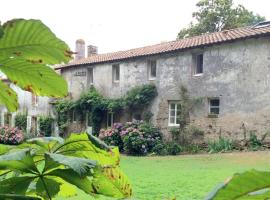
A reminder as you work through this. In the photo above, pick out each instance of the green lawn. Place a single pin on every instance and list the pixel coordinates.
(188, 177)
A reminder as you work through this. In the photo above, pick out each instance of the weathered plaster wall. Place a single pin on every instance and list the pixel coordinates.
(237, 73)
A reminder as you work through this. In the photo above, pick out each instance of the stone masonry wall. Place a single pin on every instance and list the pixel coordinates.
(238, 73)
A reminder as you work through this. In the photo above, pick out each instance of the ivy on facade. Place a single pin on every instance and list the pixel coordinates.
(96, 106)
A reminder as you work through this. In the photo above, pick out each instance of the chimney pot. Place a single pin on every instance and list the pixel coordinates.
(92, 50)
(80, 49)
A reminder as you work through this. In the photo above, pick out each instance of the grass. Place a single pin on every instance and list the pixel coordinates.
(188, 177)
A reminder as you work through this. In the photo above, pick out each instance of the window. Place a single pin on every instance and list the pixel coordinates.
(174, 113)
(116, 73)
(8, 119)
(214, 106)
(90, 76)
(152, 70)
(110, 120)
(198, 64)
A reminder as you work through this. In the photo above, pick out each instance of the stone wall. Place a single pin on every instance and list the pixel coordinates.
(237, 73)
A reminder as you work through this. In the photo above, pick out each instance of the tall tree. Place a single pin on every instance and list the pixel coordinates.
(217, 15)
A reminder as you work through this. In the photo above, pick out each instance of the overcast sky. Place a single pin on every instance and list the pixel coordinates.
(114, 25)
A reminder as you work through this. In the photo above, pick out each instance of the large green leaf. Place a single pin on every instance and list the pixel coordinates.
(81, 166)
(8, 97)
(32, 40)
(79, 145)
(20, 161)
(16, 185)
(26, 49)
(246, 186)
(112, 182)
(17, 197)
(72, 177)
(47, 187)
(34, 77)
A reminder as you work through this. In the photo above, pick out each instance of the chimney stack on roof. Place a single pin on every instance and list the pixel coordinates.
(92, 50)
(80, 49)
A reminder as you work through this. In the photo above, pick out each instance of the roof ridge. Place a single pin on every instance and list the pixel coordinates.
(223, 36)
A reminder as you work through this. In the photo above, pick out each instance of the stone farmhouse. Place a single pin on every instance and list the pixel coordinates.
(228, 70)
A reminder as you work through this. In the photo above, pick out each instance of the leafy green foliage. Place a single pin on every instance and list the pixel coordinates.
(217, 15)
(46, 165)
(97, 106)
(254, 142)
(136, 138)
(221, 145)
(139, 97)
(160, 149)
(173, 148)
(246, 186)
(27, 47)
(45, 125)
(21, 121)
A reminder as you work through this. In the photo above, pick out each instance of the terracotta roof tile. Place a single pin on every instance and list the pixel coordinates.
(193, 42)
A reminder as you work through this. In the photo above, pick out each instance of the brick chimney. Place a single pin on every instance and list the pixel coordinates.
(80, 49)
(92, 50)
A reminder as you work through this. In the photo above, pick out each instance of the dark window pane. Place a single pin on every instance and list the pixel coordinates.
(153, 69)
(214, 111)
(214, 102)
(199, 64)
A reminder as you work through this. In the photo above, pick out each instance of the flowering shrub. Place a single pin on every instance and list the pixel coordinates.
(113, 136)
(10, 135)
(137, 137)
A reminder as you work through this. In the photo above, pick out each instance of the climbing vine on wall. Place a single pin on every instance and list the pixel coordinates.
(97, 106)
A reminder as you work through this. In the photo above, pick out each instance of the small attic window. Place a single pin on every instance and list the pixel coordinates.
(262, 24)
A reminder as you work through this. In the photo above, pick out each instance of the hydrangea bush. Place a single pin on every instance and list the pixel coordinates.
(10, 135)
(136, 138)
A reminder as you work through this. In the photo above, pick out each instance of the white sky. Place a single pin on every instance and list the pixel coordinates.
(114, 25)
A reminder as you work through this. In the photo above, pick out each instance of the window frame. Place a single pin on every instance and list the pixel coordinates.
(152, 63)
(115, 69)
(90, 76)
(213, 107)
(110, 119)
(198, 58)
(176, 110)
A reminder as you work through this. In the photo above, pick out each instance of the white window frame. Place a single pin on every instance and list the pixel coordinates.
(195, 64)
(152, 63)
(177, 103)
(210, 106)
(114, 73)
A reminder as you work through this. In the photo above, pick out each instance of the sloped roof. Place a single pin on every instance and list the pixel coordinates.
(178, 45)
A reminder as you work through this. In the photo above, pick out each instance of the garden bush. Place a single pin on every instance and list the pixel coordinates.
(173, 148)
(254, 143)
(113, 136)
(21, 121)
(135, 143)
(10, 135)
(221, 145)
(45, 125)
(135, 138)
(160, 149)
